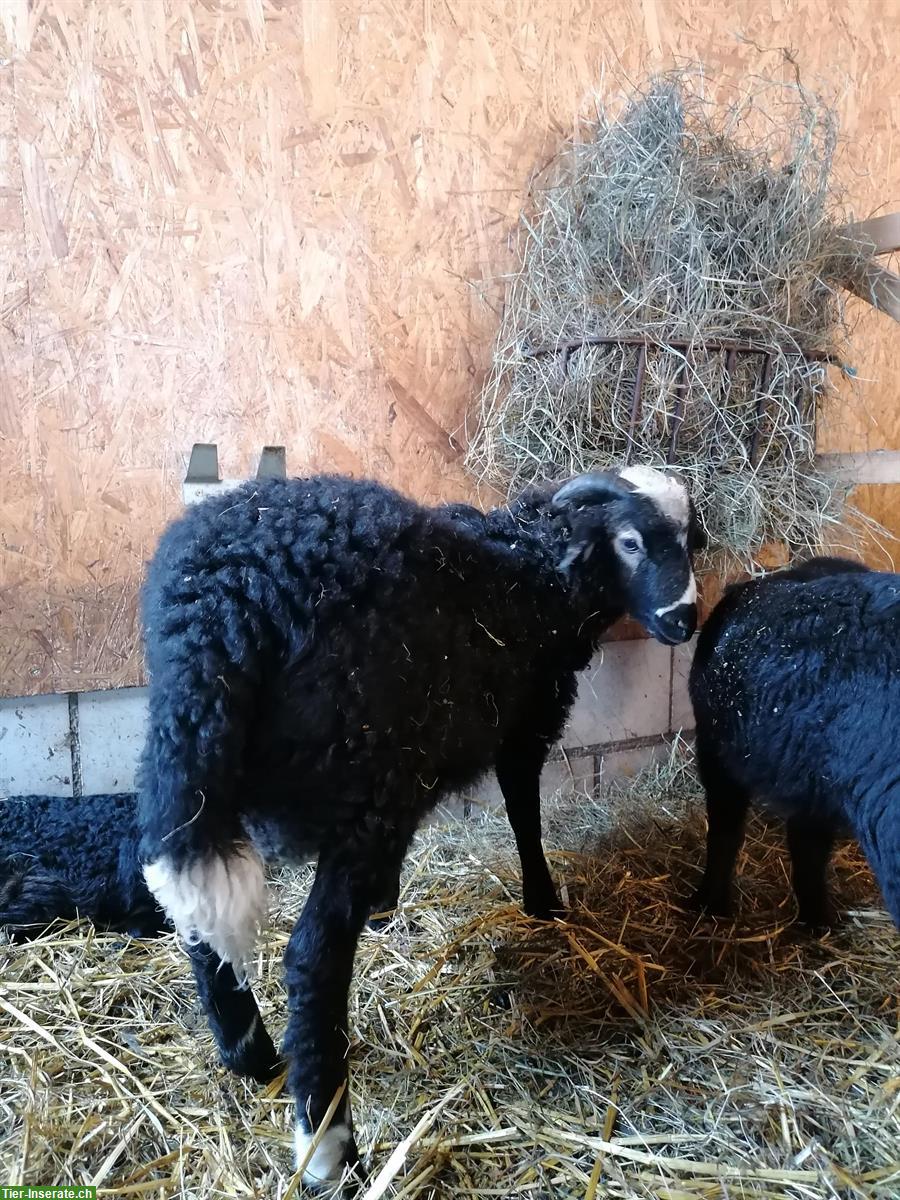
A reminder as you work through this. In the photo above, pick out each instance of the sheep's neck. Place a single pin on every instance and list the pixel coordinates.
(573, 609)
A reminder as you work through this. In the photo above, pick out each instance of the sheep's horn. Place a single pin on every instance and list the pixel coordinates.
(596, 487)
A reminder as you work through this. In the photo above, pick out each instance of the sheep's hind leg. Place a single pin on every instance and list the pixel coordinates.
(318, 968)
(726, 812)
(243, 1042)
(879, 836)
(519, 765)
(810, 843)
(382, 912)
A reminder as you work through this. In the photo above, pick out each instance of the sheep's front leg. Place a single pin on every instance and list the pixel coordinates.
(519, 765)
(726, 812)
(318, 969)
(243, 1042)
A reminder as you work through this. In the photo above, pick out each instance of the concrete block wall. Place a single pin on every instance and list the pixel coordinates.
(629, 699)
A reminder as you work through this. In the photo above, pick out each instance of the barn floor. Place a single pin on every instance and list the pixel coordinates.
(632, 1052)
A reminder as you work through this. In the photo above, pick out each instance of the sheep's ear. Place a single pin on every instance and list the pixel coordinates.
(697, 539)
(596, 487)
(578, 497)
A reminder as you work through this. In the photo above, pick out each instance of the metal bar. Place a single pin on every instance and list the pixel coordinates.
(566, 348)
(760, 407)
(636, 401)
(678, 414)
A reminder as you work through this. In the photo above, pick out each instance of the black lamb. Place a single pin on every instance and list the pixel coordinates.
(796, 692)
(64, 858)
(327, 659)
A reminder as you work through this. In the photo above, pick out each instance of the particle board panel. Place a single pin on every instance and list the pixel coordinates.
(276, 222)
(881, 502)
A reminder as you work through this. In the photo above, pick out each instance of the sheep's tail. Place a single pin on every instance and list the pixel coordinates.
(198, 861)
(217, 898)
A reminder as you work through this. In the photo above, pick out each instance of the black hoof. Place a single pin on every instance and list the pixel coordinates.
(258, 1059)
(710, 903)
(545, 912)
(819, 919)
(543, 904)
(541, 912)
(380, 921)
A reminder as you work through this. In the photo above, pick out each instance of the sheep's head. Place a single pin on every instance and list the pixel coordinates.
(641, 524)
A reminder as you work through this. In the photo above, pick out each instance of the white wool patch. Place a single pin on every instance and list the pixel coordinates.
(220, 901)
(326, 1163)
(665, 491)
(688, 596)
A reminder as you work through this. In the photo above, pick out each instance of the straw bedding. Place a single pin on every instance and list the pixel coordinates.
(631, 1052)
(672, 231)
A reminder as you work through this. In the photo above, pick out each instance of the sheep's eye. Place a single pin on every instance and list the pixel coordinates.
(630, 545)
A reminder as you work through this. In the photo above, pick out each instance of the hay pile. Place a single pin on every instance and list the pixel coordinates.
(631, 1052)
(655, 252)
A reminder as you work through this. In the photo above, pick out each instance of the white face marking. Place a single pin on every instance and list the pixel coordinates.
(688, 596)
(220, 901)
(324, 1164)
(667, 493)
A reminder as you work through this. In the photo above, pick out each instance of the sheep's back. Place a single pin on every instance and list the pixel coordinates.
(799, 684)
(360, 635)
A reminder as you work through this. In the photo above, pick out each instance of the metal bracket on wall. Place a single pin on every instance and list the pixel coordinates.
(272, 463)
(202, 478)
(204, 464)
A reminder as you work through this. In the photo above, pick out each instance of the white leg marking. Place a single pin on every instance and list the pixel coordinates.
(220, 901)
(247, 1037)
(326, 1163)
(688, 596)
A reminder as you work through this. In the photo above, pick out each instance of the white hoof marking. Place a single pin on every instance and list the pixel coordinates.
(326, 1163)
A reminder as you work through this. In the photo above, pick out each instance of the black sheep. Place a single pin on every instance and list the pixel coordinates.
(327, 659)
(796, 692)
(63, 858)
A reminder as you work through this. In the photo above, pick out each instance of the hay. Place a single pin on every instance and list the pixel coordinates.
(655, 252)
(631, 1052)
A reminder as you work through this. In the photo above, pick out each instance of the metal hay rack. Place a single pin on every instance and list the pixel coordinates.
(730, 353)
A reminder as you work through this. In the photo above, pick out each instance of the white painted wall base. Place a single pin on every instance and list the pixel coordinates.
(35, 749)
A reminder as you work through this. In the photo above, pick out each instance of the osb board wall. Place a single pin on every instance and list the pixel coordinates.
(267, 221)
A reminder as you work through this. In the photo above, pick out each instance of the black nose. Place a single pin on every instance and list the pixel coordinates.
(676, 625)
